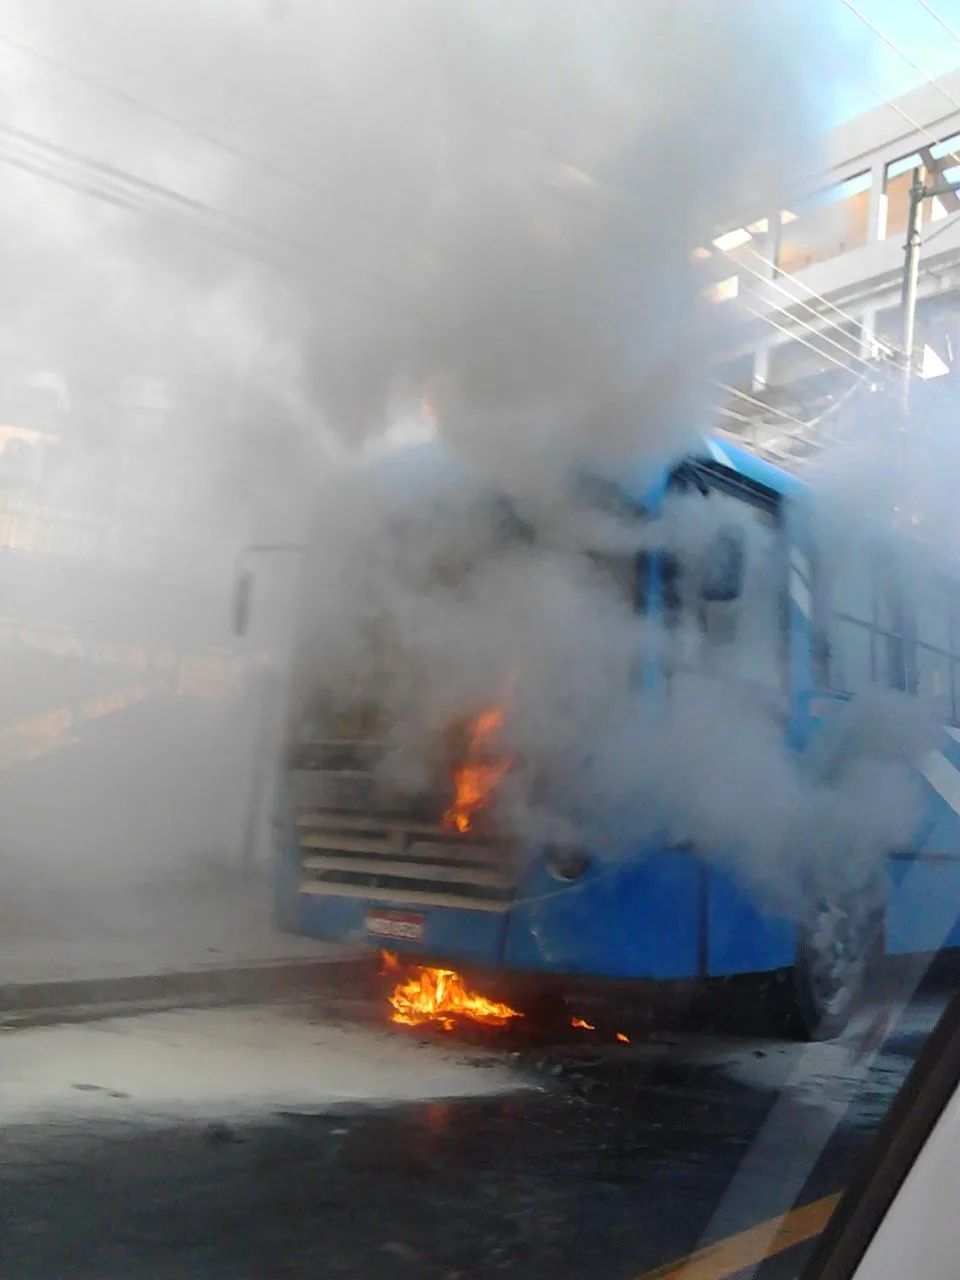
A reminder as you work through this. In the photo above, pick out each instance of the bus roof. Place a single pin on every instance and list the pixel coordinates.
(427, 465)
(754, 468)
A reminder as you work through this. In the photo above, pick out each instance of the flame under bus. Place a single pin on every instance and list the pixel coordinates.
(437, 882)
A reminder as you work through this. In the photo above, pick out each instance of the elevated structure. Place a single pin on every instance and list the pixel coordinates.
(818, 284)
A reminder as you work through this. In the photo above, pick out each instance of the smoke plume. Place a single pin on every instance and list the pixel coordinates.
(548, 174)
(476, 222)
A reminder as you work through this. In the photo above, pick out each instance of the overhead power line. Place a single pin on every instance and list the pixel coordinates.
(753, 426)
(769, 444)
(116, 197)
(947, 225)
(905, 115)
(776, 283)
(802, 435)
(900, 52)
(805, 324)
(951, 31)
(937, 17)
(128, 191)
(119, 187)
(800, 432)
(324, 194)
(165, 117)
(782, 413)
(767, 408)
(759, 315)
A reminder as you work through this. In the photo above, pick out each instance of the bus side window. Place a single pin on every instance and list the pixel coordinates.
(670, 589)
(641, 582)
(849, 624)
(954, 593)
(888, 643)
(741, 638)
(937, 652)
(865, 625)
(628, 575)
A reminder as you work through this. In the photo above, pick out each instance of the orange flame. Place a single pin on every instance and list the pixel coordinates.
(622, 1038)
(479, 776)
(582, 1024)
(440, 996)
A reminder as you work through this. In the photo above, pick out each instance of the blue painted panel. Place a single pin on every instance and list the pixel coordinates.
(923, 911)
(753, 467)
(450, 933)
(740, 937)
(937, 830)
(286, 896)
(799, 659)
(951, 749)
(640, 919)
(432, 468)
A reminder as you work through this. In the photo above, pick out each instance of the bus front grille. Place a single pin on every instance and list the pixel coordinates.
(397, 859)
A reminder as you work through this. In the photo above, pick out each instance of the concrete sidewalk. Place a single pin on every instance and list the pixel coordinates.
(73, 944)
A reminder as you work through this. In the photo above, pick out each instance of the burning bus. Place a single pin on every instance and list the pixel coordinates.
(628, 736)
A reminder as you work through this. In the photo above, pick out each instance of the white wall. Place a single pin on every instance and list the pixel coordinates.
(865, 279)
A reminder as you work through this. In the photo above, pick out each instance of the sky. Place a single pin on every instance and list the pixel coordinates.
(908, 25)
(129, 85)
(220, 102)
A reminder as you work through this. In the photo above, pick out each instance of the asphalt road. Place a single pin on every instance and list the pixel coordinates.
(269, 1143)
(33, 683)
(260, 1144)
(157, 785)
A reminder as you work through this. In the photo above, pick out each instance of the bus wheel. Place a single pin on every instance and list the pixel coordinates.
(834, 950)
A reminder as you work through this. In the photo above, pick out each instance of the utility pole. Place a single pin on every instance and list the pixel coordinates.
(911, 277)
(911, 269)
(262, 686)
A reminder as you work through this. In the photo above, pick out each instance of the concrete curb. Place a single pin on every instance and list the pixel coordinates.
(349, 978)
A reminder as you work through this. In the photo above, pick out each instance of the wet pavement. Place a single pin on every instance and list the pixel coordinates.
(293, 1141)
(260, 1144)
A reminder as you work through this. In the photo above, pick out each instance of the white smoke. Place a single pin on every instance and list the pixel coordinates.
(493, 204)
(562, 163)
(449, 616)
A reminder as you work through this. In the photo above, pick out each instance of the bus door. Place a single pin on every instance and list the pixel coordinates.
(724, 591)
(730, 603)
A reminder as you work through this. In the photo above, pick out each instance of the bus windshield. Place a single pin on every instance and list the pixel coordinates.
(740, 638)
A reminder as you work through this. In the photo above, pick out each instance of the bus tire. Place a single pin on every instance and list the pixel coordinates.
(836, 945)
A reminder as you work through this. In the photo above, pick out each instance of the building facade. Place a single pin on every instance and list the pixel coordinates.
(818, 285)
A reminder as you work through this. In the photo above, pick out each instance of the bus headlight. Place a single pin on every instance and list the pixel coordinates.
(565, 862)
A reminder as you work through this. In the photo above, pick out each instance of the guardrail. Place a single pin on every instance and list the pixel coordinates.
(207, 673)
(33, 529)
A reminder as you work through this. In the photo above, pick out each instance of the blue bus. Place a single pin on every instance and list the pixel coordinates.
(352, 868)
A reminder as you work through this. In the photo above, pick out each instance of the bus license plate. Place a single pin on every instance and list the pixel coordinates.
(403, 925)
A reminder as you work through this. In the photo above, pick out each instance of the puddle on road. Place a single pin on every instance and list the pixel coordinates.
(610, 1159)
(609, 1181)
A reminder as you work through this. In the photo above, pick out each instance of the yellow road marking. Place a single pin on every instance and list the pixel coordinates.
(748, 1248)
(52, 730)
(209, 673)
